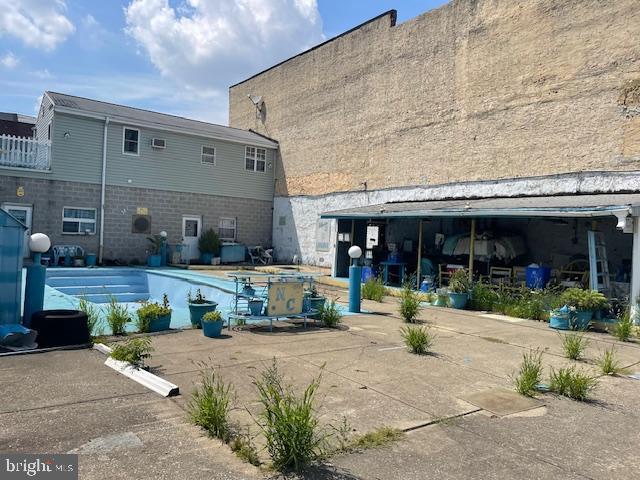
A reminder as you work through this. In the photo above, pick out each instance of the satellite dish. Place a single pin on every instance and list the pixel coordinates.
(258, 103)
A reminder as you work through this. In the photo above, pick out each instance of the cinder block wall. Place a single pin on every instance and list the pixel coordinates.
(48, 197)
(475, 90)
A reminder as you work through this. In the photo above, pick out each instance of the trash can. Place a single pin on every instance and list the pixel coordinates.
(59, 328)
(537, 277)
(91, 259)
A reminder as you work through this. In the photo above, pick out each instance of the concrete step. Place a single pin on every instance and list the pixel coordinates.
(120, 297)
(80, 290)
(70, 281)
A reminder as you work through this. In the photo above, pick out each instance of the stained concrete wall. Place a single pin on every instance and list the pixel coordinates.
(48, 197)
(295, 217)
(475, 90)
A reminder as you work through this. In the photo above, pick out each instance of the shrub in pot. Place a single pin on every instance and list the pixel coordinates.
(198, 307)
(212, 324)
(585, 302)
(78, 261)
(459, 286)
(154, 317)
(154, 259)
(209, 246)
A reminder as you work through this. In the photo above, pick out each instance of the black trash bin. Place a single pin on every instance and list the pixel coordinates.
(59, 328)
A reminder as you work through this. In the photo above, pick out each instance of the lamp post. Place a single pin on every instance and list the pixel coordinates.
(36, 274)
(163, 249)
(355, 274)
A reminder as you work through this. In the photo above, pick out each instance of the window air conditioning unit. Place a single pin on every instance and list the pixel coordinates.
(160, 143)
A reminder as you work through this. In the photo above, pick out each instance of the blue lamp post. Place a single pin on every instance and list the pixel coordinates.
(355, 274)
(163, 249)
(39, 243)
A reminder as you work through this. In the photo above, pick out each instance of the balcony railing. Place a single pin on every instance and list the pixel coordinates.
(23, 152)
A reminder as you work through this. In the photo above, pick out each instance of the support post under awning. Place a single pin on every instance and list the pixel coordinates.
(418, 269)
(472, 248)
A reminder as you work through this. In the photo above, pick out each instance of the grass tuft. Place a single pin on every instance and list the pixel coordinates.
(243, 447)
(330, 314)
(117, 316)
(288, 421)
(376, 438)
(210, 404)
(373, 289)
(530, 373)
(135, 351)
(94, 322)
(608, 363)
(624, 327)
(574, 345)
(409, 303)
(418, 338)
(572, 383)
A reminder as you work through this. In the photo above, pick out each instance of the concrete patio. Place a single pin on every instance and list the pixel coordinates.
(68, 401)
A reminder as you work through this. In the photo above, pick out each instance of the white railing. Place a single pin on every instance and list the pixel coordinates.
(23, 152)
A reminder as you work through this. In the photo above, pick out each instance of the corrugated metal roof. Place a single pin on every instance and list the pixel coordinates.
(551, 206)
(159, 120)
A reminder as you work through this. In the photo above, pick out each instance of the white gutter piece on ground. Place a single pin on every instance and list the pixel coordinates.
(149, 380)
(102, 348)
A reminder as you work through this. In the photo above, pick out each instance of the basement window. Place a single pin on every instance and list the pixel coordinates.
(130, 141)
(78, 221)
(255, 159)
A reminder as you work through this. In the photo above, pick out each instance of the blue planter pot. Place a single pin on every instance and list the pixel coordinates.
(212, 329)
(161, 323)
(206, 258)
(197, 310)
(559, 322)
(316, 303)
(255, 307)
(458, 300)
(306, 304)
(580, 320)
(440, 301)
(68, 261)
(154, 260)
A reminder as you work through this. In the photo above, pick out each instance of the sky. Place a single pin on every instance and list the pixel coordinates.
(172, 56)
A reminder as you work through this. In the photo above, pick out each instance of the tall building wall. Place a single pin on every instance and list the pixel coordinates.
(474, 90)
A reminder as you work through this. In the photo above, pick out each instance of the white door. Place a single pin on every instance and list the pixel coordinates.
(191, 229)
(24, 214)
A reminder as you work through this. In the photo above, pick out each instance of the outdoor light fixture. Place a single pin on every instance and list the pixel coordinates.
(66, 135)
(355, 278)
(355, 252)
(163, 234)
(39, 243)
(625, 222)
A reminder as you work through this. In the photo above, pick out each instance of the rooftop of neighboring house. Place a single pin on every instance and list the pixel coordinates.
(147, 118)
(16, 124)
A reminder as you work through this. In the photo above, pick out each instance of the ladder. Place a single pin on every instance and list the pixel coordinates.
(598, 264)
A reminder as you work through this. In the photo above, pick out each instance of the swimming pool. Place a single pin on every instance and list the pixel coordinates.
(130, 286)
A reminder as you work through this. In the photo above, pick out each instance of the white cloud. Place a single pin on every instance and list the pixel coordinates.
(38, 23)
(9, 60)
(206, 45)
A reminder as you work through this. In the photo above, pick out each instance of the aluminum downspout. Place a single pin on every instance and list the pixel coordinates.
(102, 188)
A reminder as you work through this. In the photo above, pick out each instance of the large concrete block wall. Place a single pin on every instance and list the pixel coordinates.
(166, 209)
(475, 90)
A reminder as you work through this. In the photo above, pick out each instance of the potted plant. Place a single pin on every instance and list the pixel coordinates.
(255, 306)
(209, 246)
(560, 318)
(316, 301)
(154, 259)
(154, 317)
(198, 307)
(585, 302)
(212, 324)
(441, 298)
(78, 260)
(459, 286)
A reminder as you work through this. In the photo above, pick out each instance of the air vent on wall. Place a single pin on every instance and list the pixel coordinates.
(141, 224)
(158, 143)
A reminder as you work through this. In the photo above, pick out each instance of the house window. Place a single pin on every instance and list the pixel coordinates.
(255, 159)
(209, 155)
(130, 141)
(78, 221)
(227, 229)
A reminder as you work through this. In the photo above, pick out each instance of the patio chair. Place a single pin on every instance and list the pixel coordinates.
(255, 255)
(64, 251)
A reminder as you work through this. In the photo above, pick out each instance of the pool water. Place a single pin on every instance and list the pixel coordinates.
(131, 286)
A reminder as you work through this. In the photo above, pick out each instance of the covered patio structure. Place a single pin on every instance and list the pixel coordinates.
(588, 239)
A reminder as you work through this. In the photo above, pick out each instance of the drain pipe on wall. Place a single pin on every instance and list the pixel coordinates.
(102, 188)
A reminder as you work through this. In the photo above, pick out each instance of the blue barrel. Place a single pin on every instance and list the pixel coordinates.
(367, 273)
(538, 277)
(90, 259)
